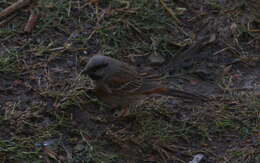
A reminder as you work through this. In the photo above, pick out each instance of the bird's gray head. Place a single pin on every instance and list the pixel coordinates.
(99, 66)
(95, 68)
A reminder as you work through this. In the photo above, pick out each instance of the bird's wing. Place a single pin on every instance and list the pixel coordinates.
(124, 81)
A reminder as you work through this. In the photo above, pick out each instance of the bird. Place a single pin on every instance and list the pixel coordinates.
(119, 84)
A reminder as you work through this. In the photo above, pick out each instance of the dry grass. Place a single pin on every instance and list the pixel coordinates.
(47, 116)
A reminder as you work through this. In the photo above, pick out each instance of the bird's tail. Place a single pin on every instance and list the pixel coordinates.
(180, 94)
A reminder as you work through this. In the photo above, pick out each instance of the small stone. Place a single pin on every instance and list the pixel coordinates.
(156, 59)
(197, 158)
(205, 74)
(222, 1)
(49, 142)
(79, 147)
(186, 64)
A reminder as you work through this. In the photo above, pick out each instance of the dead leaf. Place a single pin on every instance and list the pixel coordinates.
(227, 70)
(50, 153)
(194, 82)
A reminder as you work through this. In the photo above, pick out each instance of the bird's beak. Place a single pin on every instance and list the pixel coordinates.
(92, 74)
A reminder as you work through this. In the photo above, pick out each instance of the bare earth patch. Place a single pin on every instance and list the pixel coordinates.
(206, 47)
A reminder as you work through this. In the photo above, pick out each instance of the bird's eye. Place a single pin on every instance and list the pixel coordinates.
(94, 72)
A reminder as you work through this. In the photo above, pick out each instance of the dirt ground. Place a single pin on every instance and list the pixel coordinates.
(204, 47)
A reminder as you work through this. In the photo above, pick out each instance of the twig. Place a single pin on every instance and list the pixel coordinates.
(14, 7)
(170, 11)
(222, 50)
(5, 21)
(32, 20)
(254, 30)
(233, 50)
